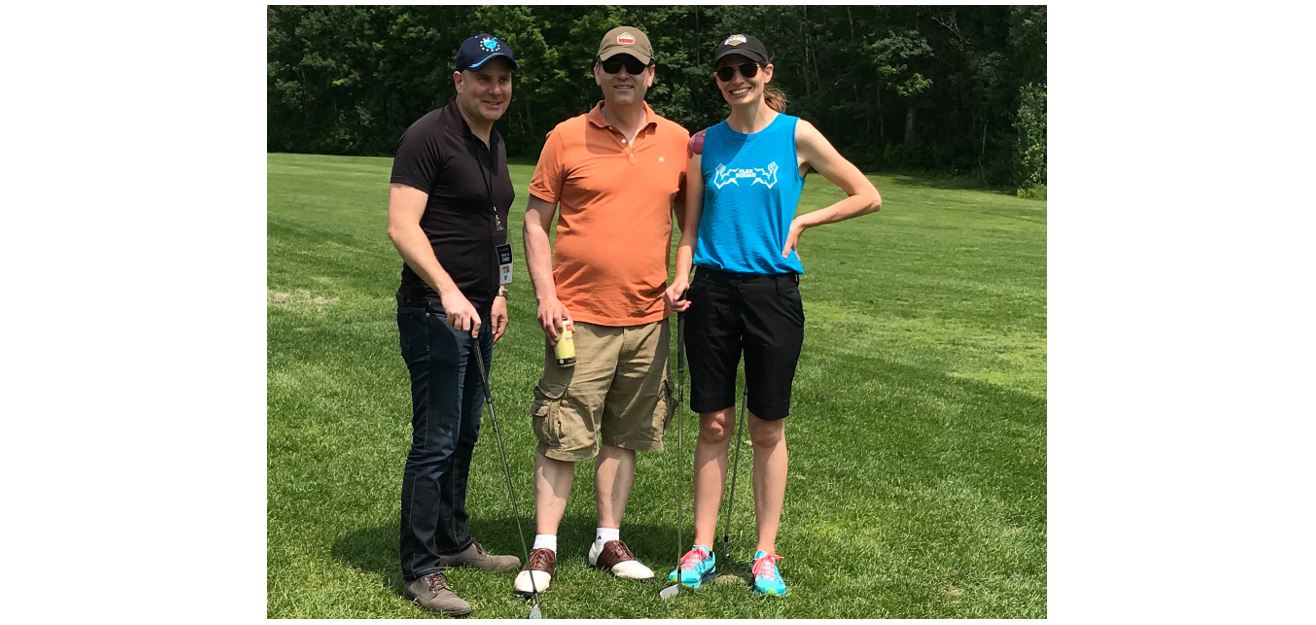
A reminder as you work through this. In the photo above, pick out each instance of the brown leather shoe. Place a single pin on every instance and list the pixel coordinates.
(541, 565)
(477, 558)
(618, 559)
(432, 593)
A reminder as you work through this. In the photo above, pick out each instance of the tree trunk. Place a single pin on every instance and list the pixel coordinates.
(699, 40)
(804, 39)
(910, 137)
(813, 52)
(881, 119)
(982, 170)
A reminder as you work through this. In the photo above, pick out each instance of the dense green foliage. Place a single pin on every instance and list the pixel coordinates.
(917, 432)
(891, 86)
(1030, 145)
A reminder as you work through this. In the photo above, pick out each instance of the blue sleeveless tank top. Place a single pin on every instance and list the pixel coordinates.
(752, 184)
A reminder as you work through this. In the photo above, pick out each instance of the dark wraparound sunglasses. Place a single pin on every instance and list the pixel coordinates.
(613, 65)
(748, 70)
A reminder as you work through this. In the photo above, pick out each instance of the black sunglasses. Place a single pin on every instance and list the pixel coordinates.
(727, 72)
(613, 65)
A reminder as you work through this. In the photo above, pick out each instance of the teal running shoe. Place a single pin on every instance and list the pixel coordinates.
(767, 579)
(697, 566)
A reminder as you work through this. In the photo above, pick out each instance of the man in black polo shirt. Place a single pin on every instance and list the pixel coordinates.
(447, 216)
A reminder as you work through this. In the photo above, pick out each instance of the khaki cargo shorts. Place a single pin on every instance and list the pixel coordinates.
(618, 393)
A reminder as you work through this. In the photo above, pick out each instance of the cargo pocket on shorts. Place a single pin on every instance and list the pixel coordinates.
(546, 412)
(665, 408)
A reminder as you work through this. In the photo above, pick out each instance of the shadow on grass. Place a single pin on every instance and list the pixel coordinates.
(374, 550)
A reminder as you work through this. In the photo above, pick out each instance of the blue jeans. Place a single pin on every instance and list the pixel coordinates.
(446, 404)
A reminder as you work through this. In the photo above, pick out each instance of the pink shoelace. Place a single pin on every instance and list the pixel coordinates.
(766, 566)
(692, 558)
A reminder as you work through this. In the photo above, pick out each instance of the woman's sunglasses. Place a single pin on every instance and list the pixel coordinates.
(748, 70)
(613, 65)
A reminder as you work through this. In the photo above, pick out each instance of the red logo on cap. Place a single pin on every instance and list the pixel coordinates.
(626, 39)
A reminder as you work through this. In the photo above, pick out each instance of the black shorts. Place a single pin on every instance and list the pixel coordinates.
(759, 314)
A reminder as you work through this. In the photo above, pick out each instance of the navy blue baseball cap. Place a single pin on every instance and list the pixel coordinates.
(480, 48)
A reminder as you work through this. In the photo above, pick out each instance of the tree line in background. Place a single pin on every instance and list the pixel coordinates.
(960, 89)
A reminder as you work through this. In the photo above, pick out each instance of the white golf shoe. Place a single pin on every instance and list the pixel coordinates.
(617, 559)
(541, 565)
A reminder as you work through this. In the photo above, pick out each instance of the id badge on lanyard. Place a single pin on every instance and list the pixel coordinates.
(504, 263)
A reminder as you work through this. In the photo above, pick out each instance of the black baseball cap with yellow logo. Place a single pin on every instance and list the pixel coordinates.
(747, 46)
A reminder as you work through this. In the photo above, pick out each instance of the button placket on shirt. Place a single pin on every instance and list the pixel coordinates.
(627, 146)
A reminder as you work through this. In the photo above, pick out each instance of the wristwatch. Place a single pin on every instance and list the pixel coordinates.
(502, 291)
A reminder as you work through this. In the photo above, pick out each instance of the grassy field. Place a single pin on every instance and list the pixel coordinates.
(917, 432)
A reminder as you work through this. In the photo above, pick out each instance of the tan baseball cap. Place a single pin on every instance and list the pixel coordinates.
(626, 40)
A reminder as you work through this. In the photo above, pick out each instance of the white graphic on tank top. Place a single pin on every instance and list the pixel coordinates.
(723, 176)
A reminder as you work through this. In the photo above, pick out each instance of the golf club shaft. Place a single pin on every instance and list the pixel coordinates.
(735, 468)
(680, 432)
(675, 588)
(502, 453)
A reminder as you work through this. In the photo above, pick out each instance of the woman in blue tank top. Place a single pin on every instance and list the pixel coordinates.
(744, 180)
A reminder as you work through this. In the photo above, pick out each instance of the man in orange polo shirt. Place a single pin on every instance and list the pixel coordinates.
(613, 176)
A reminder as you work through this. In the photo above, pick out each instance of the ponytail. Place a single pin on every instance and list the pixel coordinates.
(774, 98)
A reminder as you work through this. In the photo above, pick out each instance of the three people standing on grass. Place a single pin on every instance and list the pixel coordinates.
(614, 177)
(744, 180)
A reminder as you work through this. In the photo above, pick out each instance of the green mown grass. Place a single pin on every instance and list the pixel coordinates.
(917, 432)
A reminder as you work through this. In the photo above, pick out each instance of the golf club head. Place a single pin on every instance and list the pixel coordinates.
(670, 591)
(534, 612)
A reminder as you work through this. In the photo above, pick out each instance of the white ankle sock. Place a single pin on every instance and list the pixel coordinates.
(546, 541)
(604, 534)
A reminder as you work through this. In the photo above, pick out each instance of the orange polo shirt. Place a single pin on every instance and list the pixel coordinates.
(614, 223)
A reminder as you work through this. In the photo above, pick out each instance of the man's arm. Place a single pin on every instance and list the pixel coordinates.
(685, 248)
(539, 261)
(406, 204)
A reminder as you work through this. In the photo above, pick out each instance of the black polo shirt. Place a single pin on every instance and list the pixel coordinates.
(467, 183)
